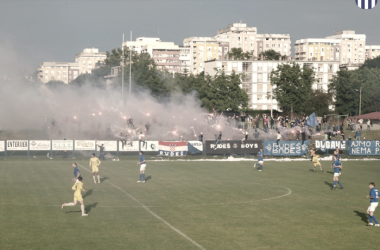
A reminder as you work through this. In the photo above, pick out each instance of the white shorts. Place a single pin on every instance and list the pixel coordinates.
(372, 206)
(336, 174)
(142, 167)
(261, 162)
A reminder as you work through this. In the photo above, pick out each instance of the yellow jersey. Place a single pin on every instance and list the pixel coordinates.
(315, 158)
(78, 187)
(94, 162)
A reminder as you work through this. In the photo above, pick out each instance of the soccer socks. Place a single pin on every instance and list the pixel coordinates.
(82, 208)
(261, 167)
(94, 178)
(370, 218)
(140, 177)
(334, 184)
(143, 176)
(98, 179)
(69, 204)
(374, 219)
(339, 184)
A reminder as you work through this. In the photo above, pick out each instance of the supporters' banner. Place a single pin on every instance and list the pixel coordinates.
(17, 145)
(84, 145)
(172, 148)
(62, 145)
(233, 147)
(39, 145)
(195, 146)
(363, 147)
(149, 146)
(323, 145)
(286, 148)
(2, 146)
(108, 145)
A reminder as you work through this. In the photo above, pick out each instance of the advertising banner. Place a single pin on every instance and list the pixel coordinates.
(233, 147)
(286, 148)
(2, 146)
(363, 148)
(62, 145)
(323, 145)
(108, 145)
(17, 145)
(84, 145)
(172, 148)
(39, 145)
(195, 147)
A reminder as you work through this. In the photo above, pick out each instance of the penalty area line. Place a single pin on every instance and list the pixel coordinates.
(152, 213)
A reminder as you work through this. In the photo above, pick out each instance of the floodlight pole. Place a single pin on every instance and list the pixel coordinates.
(122, 70)
(360, 102)
(130, 70)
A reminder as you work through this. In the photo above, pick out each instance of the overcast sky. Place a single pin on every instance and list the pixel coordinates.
(32, 31)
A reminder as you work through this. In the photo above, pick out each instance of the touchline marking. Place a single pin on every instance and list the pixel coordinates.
(152, 213)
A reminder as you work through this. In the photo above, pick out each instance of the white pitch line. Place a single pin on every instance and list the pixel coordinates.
(152, 213)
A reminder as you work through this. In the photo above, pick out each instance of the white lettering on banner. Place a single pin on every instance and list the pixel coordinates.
(2, 146)
(377, 143)
(17, 145)
(249, 145)
(39, 145)
(62, 145)
(330, 144)
(377, 150)
(169, 153)
(318, 144)
(286, 148)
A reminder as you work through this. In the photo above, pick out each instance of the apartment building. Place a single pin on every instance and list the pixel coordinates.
(58, 71)
(184, 59)
(238, 35)
(165, 54)
(257, 80)
(352, 46)
(372, 51)
(202, 49)
(88, 59)
(317, 49)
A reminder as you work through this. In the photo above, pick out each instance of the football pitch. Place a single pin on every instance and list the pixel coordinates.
(186, 205)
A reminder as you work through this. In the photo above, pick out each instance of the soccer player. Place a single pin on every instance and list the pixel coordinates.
(312, 154)
(94, 165)
(78, 187)
(337, 166)
(142, 164)
(373, 196)
(316, 162)
(260, 156)
(76, 172)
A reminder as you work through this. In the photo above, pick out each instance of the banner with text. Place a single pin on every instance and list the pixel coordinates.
(17, 145)
(2, 146)
(233, 147)
(172, 148)
(323, 145)
(286, 148)
(108, 145)
(84, 145)
(195, 147)
(128, 146)
(39, 145)
(62, 145)
(363, 148)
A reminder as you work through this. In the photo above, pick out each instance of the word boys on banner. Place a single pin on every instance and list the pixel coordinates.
(363, 148)
(286, 148)
(323, 145)
(172, 148)
(233, 147)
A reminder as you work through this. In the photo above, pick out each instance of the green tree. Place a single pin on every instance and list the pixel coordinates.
(238, 54)
(271, 55)
(371, 63)
(318, 101)
(292, 86)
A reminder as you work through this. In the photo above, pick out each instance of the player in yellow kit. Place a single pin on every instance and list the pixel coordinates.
(94, 165)
(78, 187)
(316, 162)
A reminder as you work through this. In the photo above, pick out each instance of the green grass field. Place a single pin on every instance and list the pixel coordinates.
(186, 205)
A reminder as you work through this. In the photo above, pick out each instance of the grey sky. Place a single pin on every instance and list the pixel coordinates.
(35, 31)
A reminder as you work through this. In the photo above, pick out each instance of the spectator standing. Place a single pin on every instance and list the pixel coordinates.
(358, 134)
(368, 125)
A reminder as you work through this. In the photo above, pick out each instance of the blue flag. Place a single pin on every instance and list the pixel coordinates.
(312, 120)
